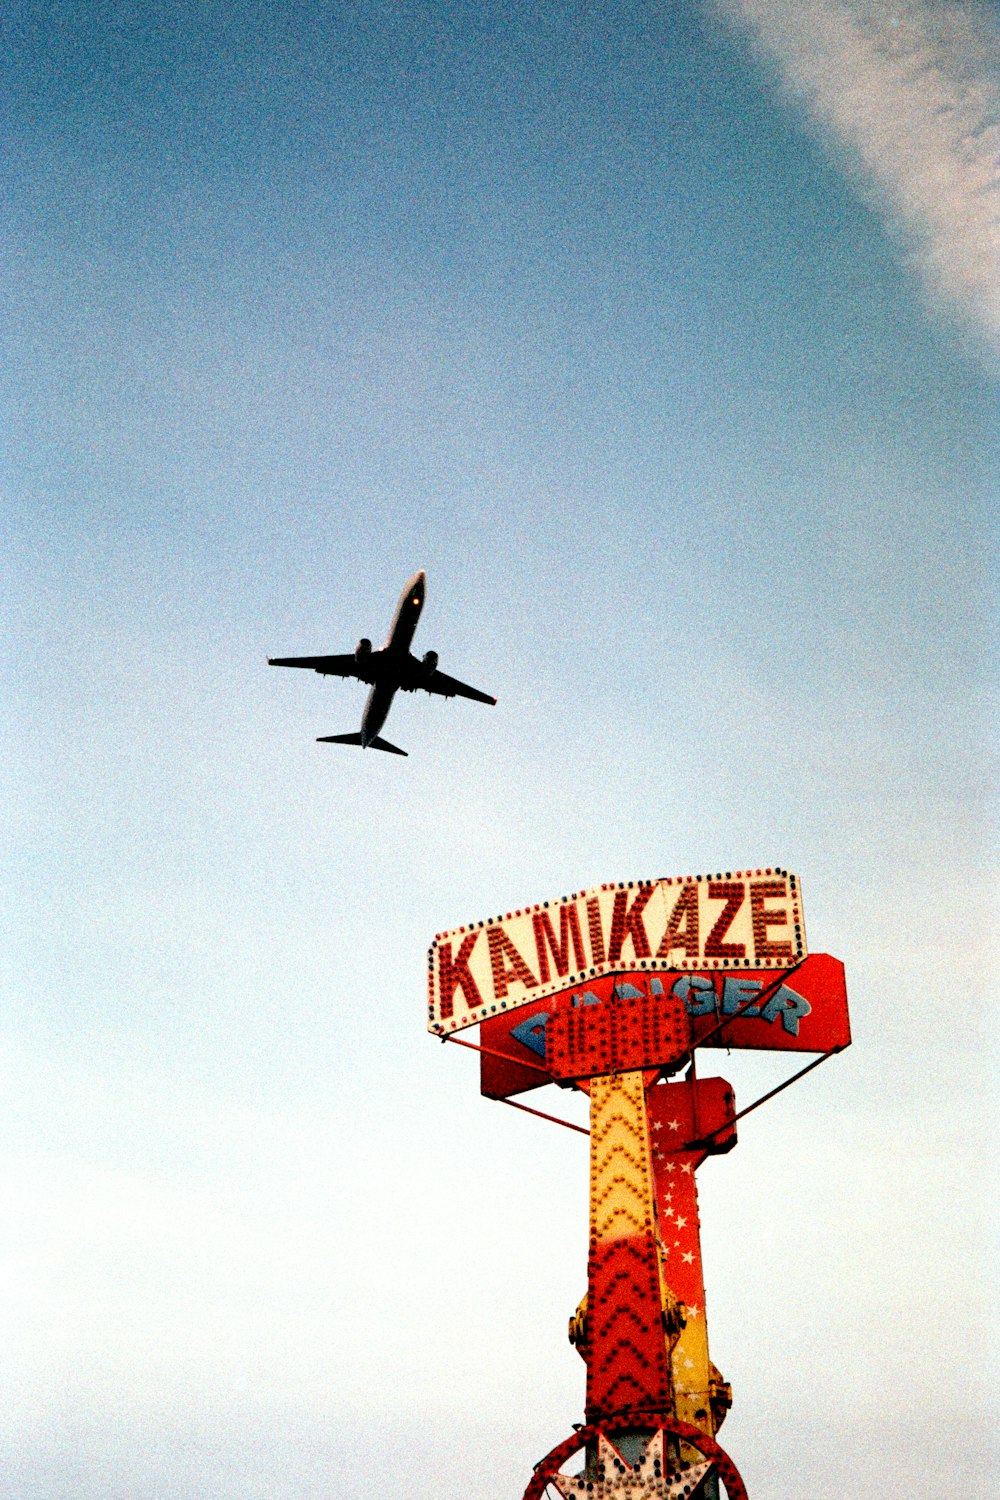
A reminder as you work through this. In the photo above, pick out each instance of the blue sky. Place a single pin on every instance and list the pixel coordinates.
(665, 338)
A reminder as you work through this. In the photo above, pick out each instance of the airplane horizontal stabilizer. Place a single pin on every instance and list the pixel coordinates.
(355, 739)
(378, 743)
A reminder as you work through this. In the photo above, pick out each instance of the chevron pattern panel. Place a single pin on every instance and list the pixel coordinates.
(627, 1363)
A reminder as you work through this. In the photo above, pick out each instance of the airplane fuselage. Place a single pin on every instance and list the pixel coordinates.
(397, 645)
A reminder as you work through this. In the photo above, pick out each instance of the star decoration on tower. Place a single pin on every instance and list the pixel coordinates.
(617, 1480)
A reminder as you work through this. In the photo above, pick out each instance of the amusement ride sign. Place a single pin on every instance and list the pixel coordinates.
(742, 919)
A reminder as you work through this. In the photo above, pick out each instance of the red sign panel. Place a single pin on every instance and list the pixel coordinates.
(787, 1010)
(627, 1032)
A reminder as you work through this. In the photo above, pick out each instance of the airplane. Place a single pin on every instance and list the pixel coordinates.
(389, 670)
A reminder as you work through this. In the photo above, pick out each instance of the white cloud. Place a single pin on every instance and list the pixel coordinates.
(912, 92)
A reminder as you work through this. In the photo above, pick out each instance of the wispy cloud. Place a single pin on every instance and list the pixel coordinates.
(912, 92)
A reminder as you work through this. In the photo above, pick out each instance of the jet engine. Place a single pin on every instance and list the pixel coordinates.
(429, 663)
(362, 649)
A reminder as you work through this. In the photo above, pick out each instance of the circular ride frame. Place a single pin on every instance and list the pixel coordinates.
(549, 1467)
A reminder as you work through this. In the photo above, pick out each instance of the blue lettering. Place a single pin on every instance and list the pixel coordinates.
(704, 1004)
(735, 994)
(531, 1033)
(790, 1006)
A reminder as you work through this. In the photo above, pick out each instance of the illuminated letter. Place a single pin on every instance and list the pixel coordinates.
(453, 974)
(596, 934)
(763, 919)
(502, 950)
(569, 926)
(684, 913)
(789, 1006)
(731, 892)
(626, 921)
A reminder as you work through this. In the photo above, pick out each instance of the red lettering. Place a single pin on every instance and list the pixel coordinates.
(595, 930)
(626, 921)
(507, 964)
(731, 892)
(453, 974)
(763, 919)
(545, 941)
(684, 916)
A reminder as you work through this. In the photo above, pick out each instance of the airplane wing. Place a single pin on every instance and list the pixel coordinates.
(450, 687)
(330, 666)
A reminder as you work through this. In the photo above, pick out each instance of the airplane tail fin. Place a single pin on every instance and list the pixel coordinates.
(355, 739)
